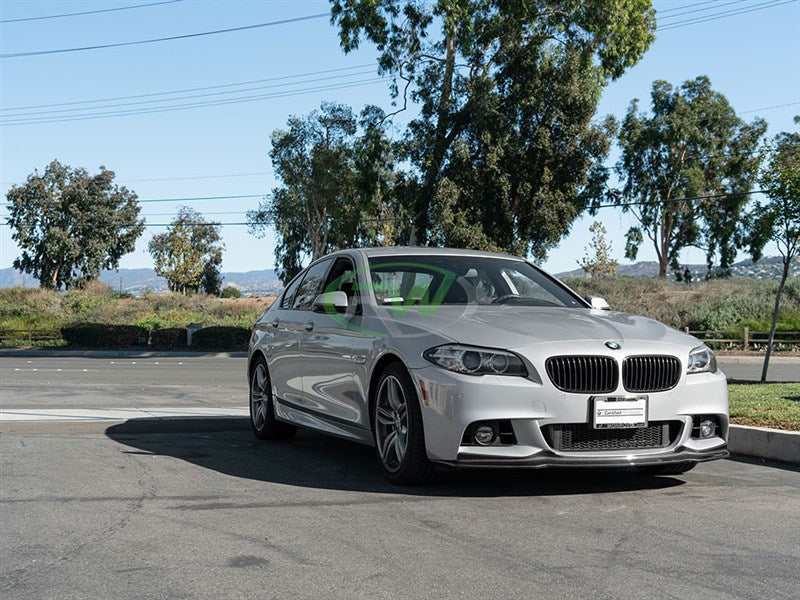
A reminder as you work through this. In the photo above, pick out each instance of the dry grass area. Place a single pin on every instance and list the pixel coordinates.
(24, 308)
(714, 305)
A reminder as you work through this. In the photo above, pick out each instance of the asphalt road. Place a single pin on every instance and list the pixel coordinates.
(197, 508)
(101, 511)
(45, 382)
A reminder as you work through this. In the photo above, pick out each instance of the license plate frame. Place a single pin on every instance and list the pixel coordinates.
(620, 412)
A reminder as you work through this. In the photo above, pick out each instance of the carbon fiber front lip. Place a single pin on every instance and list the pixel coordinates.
(548, 459)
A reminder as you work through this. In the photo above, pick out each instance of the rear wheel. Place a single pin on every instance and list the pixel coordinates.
(262, 410)
(673, 469)
(397, 428)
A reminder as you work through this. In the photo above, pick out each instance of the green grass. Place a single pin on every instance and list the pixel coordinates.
(775, 405)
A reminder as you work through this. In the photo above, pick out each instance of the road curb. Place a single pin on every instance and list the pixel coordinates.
(771, 444)
(50, 353)
(734, 359)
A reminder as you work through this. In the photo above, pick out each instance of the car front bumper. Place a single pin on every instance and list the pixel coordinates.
(451, 402)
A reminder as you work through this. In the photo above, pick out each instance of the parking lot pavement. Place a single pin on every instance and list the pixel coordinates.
(65, 382)
(164, 510)
(80, 382)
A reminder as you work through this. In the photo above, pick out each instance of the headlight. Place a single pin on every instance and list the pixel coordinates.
(702, 360)
(476, 361)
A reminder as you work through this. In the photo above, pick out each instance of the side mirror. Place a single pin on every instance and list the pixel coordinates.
(598, 303)
(337, 300)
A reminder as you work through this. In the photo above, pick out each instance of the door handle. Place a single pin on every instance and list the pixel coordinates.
(309, 325)
(275, 322)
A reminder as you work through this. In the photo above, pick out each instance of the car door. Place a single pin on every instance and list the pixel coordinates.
(283, 330)
(290, 365)
(329, 386)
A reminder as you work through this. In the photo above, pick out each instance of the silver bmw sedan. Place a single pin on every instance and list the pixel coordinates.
(474, 359)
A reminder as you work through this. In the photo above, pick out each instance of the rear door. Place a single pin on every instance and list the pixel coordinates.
(284, 340)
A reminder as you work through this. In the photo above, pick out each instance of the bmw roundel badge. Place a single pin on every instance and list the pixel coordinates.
(613, 345)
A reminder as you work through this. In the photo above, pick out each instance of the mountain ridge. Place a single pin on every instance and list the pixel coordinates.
(265, 281)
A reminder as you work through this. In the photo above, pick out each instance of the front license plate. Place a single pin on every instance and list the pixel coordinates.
(619, 412)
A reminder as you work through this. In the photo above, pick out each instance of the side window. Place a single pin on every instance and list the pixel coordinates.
(311, 286)
(288, 295)
(343, 278)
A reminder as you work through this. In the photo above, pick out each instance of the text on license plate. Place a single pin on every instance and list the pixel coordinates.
(619, 412)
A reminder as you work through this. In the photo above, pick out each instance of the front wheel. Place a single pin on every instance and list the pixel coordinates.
(262, 411)
(397, 428)
(673, 469)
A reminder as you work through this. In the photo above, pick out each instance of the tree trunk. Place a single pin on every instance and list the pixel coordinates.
(662, 267)
(771, 340)
(419, 227)
(54, 277)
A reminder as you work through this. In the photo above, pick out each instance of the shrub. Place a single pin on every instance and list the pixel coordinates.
(168, 338)
(100, 335)
(231, 292)
(221, 338)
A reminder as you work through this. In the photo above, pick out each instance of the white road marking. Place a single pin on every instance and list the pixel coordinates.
(58, 370)
(116, 414)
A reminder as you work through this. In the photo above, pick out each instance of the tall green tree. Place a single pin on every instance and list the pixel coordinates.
(189, 254)
(70, 224)
(503, 152)
(336, 185)
(686, 171)
(778, 219)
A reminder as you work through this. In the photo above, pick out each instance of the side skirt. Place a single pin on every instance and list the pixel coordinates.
(310, 419)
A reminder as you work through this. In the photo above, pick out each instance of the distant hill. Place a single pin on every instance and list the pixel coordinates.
(266, 281)
(767, 268)
(136, 280)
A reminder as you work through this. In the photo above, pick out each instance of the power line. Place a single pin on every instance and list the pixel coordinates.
(166, 39)
(744, 112)
(668, 10)
(140, 111)
(88, 12)
(189, 97)
(724, 14)
(203, 198)
(190, 199)
(187, 90)
(696, 10)
(616, 205)
(676, 200)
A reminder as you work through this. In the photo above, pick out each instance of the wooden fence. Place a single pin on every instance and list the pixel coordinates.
(29, 335)
(746, 339)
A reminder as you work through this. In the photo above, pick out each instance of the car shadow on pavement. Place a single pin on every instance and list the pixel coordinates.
(317, 461)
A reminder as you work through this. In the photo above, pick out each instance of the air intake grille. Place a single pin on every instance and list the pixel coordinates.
(650, 373)
(583, 374)
(580, 437)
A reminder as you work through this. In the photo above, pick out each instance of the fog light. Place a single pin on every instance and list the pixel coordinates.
(707, 427)
(484, 435)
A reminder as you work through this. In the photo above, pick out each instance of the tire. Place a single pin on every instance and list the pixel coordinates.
(673, 469)
(262, 410)
(397, 429)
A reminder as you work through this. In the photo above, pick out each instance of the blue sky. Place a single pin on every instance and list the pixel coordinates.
(753, 58)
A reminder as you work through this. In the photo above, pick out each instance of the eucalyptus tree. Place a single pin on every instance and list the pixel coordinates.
(189, 254)
(336, 185)
(503, 152)
(778, 218)
(69, 224)
(687, 170)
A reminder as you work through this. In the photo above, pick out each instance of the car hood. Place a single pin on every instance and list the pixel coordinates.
(507, 326)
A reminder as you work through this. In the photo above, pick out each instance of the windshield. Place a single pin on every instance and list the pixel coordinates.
(442, 279)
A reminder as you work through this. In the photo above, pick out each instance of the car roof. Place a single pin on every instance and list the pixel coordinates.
(425, 251)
